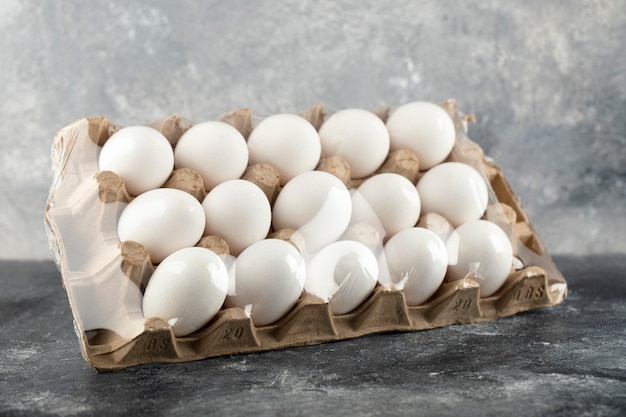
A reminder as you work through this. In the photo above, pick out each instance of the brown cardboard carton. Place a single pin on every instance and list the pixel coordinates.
(104, 278)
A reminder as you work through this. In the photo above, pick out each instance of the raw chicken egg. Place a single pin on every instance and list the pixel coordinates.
(424, 128)
(268, 280)
(417, 261)
(454, 190)
(140, 155)
(187, 289)
(288, 142)
(394, 199)
(237, 211)
(316, 204)
(163, 221)
(359, 137)
(215, 150)
(482, 251)
(343, 274)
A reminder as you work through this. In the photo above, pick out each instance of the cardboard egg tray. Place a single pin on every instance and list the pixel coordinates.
(104, 278)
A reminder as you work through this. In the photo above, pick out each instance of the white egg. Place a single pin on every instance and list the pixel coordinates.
(316, 204)
(394, 199)
(215, 150)
(238, 211)
(343, 274)
(417, 261)
(482, 251)
(163, 221)
(424, 128)
(454, 190)
(359, 137)
(288, 142)
(140, 155)
(268, 280)
(187, 289)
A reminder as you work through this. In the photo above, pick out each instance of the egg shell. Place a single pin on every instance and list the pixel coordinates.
(424, 128)
(343, 273)
(238, 211)
(288, 142)
(359, 137)
(482, 251)
(140, 155)
(417, 261)
(267, 280)
(215, 150)
(163, 221)
(316, 204)
(187, 289)
(394, 199)
(454, 190)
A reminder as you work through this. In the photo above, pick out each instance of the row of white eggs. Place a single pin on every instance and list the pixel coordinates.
(267, 279)
(315, 203)
(218, 152)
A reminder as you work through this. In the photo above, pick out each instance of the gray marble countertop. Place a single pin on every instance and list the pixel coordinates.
(562, 361)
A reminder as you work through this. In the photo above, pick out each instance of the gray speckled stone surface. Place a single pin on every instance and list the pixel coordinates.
(563, 361)
(546, 80)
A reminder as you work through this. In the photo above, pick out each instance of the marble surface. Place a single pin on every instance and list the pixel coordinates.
(546, 80)
(562, 361)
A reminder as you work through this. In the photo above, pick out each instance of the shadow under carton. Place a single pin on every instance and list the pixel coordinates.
(535, 285)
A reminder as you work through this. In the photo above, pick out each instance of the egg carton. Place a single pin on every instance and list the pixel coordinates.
(104, 277)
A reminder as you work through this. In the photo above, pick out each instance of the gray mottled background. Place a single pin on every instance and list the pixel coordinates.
(546, 80)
